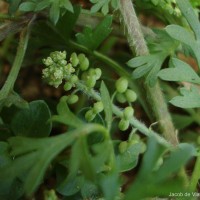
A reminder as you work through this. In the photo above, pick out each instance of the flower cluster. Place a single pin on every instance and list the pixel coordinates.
(56, 68)
(76, 75)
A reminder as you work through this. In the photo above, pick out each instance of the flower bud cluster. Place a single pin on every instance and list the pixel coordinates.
(58, 69)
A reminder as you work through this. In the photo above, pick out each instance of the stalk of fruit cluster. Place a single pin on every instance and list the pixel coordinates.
(154, 94)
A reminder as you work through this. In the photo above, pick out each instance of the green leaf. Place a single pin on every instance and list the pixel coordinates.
(42, 5)
(67, 5)
(181, 72)
(129, 159)
(181, 34)
(102, 155)
(182, 121)
(33, 157)
(13, 5)
(183, 153)
(186, 37)
(105, 9)
(191, 17)
(89, 190)
(69, 19)
(65, 116)
(189, 99)
(27, 6)
(144, 64)
(71, 185)
(4, 155)
(54, 12)
(80, 160)
(110, 185)
(152, 182)
(152, 155)
(93, 38)
(32, 122)
(98, 5)
(105, 98)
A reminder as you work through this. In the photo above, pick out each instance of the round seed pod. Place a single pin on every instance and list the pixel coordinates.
(130, 95)
(123, 147)
(98, 73)
(73, 79)
(81, 57)
(98, 107)
(123, 124)
(120, 97)
(74, 59)
(128, 112)
(121, 85)
(72, 99)
(91, 81)
(90, 115)
(67, 86)
(84, 64)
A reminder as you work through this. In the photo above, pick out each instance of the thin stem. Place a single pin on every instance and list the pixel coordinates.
(9, 84)
(195, 175)
(154, 94)
(4, 17)
(119, 113)
(119, 69)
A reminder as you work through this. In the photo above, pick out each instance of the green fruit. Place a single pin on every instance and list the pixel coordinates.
(72, 99)
(74, 59)
(84, 76)
(123, 124)
(90, 82)
(73, 79)
(130, 95)
(128, 112)
(123, 147)
(84, 64)
(90, 115)
(91, 72)
(121, 98)
(98, 107)
(81, 57)
(98, 73)
(67, 86)
(121, 85)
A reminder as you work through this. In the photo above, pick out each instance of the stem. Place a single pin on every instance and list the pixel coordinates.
(119, 69)
(9, 84)
(154, 94)
(195, 175)
(4, 17)
(119, 113)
